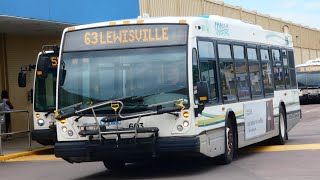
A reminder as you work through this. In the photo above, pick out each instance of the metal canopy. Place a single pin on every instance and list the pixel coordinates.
(25, 26)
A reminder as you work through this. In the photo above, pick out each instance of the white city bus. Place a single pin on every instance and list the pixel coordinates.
(308, 78)
(44, 95)
(142, 88)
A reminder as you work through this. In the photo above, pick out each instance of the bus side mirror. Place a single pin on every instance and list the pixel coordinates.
(62, 75)
(202, 92)
(22, 79)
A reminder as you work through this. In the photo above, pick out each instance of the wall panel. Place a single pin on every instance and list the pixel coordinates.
(313, 54)
(305, 55)
(297, 56)
(248, 17)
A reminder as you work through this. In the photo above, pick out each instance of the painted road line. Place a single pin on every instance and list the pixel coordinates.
(35, 158)
(26, 153)
(312, 110)
(284, 148)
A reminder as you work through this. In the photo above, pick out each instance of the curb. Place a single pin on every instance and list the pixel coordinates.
(26, 153)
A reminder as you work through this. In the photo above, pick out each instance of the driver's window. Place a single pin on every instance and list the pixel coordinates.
(208, 67)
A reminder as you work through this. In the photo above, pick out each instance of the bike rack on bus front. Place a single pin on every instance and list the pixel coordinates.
(98, 129)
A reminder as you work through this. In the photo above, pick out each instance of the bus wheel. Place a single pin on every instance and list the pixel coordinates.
(227, 156)
(281, 138)
(114, 165)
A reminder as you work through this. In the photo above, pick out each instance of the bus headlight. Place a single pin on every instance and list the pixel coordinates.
(40, 122)
(70, 133)
(64, 129)
(185, 123)
(179, 128)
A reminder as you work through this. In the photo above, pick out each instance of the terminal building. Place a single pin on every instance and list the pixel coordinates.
(25, 26)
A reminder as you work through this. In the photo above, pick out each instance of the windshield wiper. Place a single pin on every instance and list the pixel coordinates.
(157, 112)
(77, 107)
(154, 109)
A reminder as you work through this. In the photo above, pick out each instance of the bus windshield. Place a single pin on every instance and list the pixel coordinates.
(149, 75)
(308, 79)
(45, 85)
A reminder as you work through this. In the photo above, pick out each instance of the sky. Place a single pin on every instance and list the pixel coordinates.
(305, 12)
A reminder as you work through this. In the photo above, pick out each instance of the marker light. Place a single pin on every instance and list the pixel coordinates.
(185, 123)
(71, 28)
(126, 22)
(182, 21)
(40, 122)
(37, 115)
(63, 121)
(140, 21)
(39, 73)
(64, 129)
(186, 114)
(179, 128)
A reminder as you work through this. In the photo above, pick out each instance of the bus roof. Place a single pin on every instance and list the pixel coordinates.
(209, 26)
(314, 62)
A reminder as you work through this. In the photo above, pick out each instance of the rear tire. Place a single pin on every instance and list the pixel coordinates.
(230, 148)
(114, 165)
(281, 138)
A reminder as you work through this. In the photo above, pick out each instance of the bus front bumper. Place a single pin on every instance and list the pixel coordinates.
(128, 150)
(44, 136)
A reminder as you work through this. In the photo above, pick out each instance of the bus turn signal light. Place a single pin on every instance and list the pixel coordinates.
(185, 114)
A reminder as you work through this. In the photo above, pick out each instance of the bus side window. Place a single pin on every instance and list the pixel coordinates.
(266, 72)
(286, 68)
(208, 67)
(227, 73)
(254, 70)
(277, 69)
(241, 72)
(293, 78)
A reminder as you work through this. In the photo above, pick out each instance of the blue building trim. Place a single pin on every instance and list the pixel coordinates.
(69, 11)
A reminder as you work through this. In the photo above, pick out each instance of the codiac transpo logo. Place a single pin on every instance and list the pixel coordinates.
(222, 29)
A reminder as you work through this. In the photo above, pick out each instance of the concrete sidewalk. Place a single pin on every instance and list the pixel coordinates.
(18, 146)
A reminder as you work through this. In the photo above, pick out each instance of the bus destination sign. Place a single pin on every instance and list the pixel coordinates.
(308, 69)
(128, 36)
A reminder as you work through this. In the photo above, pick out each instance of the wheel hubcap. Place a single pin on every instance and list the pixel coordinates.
(229, 136)
(282, 128)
